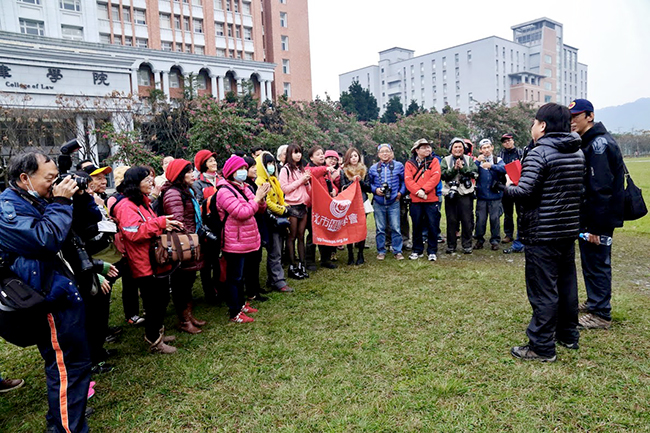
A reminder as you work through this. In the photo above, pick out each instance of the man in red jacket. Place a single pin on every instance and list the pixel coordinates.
(421, 176)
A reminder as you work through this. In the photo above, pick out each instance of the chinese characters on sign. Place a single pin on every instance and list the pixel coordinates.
(54, 74)
(4, 71)
(334, 225)
(100, 78)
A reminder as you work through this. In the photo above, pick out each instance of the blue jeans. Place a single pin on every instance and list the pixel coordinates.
(390, 213)
(426, 217)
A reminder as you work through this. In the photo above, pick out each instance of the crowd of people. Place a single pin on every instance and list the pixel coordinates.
(263, 201)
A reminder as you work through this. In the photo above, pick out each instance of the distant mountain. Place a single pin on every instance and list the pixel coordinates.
(627, 117)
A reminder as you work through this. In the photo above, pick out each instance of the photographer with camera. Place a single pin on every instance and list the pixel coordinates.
(458, 171)
(35, 220)
(387, 183)
(421, 176)
(489, 190)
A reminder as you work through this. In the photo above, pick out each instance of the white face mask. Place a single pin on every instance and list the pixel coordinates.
(241, 175)
(270, 169)
(32, 191)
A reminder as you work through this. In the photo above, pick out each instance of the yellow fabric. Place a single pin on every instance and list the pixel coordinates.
(275, 197)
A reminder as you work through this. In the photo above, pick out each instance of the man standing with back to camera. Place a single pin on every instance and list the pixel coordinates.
(549, 194)
(601, 212)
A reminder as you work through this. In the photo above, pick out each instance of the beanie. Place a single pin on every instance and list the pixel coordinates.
(202, 156)
(175, 168)
(233, 164)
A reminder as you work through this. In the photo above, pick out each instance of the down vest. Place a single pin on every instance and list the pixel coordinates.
(550, 190)
(241, 234)
(180, 204)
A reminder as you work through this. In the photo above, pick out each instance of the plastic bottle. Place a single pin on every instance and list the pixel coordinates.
(604, 239)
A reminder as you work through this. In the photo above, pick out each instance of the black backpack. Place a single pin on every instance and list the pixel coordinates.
(212, 223)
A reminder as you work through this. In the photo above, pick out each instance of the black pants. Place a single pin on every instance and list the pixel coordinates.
(552, 288)
(97, 313)
(155, 297)
(597, 271)
(425, 216)
(508, 216)
(182, 282)
(488, 209)
(252, 273)
(235, 296)
(130, 297)
(210, 271)
(459, 211)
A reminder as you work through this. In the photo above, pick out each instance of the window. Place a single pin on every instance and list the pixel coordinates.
(104, 38)
(284, 43)
(30, 27)
(144, 77)
(31, 2)
(248, 33)
(457, 86)
(102, 11)
(470, 98)
(166, 46)
(70, 5)
(165, 21)
(283, 19)
(236, 6)
(549, 86)
(199, 50)
(179, 47)
(174, 80)
(227, 5)
(457, 73)
(221, 52)
(547, 98)
(469, 55)
(444, 89)
(548, 59)
(237, 32)
(287, 89)
(218, 28)
(128, 40)
(177, 22)
(248, 56)
(246, 8)
(186, 24)
(433, 65)
(456, 58)
(197, 26)
(196, 2)
(457, 100)
(126, 14)
(141, 42)
(444, 62)
(548, 72)
(284, 2)
(139, 16)
(230, 30)
(217, 5)
(72, 33)
(285, 66)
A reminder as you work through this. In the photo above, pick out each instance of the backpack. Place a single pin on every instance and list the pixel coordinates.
(213, 225)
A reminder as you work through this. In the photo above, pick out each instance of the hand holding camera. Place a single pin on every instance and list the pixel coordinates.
(66, 188)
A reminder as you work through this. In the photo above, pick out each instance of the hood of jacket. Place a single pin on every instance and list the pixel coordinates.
(262, 173)
(564, 142)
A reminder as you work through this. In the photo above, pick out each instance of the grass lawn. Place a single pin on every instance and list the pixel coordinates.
(388, 346)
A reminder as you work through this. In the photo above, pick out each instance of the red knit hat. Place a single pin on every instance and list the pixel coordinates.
(202, 156)
(331, 154)
(175, 168)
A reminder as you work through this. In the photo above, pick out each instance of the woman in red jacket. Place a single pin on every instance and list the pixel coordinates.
(139, 225)
(179, 202)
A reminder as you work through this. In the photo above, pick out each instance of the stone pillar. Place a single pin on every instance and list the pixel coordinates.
(269, 94)
(222, 94)
(262, 90)
(240, 89)
(215, 90)
(134, 82)
(165, 84)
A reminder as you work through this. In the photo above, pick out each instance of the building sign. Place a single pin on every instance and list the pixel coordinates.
(51, 80)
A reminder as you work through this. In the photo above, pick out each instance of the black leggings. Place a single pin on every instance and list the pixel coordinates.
(297, 231)
(155, 297)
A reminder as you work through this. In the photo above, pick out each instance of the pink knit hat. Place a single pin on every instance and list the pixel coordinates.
(331, 153)
(232, 165)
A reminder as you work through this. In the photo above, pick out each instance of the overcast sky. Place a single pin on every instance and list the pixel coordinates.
(612, 36)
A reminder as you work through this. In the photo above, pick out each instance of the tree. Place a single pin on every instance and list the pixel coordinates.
(360, 102)
(493, 119)
(393, 109)
(413, 108)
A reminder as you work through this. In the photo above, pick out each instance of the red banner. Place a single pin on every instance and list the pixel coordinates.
(338, 220)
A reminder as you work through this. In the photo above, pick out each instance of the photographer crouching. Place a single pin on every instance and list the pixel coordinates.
(35, 220)
(458, 171)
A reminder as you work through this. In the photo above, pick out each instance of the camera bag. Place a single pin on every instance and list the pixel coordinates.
(634, 206)
(173, 247)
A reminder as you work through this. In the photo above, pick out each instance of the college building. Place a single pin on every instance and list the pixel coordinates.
(536, 66)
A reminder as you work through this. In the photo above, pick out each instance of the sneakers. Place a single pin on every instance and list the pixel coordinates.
(506, 240)
(135, 320)
(572, 346)
(11, 384)
(294, 272)
(113, 334)
(242, 318)
(381, 256)
(286, 289)
(102, 367)
(415, 256)
(512, 250)
(433, 257)
(525, 353)
(592, 321)
(91, 389)
(478, 245)
(467, 251)
(494, 247)
(582, 307)
(248, 309)
(399, 256)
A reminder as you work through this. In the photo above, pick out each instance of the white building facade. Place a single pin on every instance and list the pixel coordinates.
(536, 66)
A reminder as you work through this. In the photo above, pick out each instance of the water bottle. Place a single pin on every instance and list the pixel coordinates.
(604, 239)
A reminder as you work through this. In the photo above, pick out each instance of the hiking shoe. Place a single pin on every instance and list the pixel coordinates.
(11, 384)
(494, 247)
(572, 346)
(433, 257)
(592, 321)
(582, 307)
(506, 240)
(136, 320)
(399, 256)
(286, 289)
(415, 256)
(381, 256)
(242, 318)
(467, 251)
(478, 246)
(248, 309)
(525, 353)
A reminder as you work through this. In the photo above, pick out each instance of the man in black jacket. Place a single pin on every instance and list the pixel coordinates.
(602, 211)
(508, 154)
(549, 194)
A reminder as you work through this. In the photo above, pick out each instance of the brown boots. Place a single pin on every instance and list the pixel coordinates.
(189, 323)
(159, 345)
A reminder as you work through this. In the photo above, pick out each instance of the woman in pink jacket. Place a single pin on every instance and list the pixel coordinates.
(294, 181)
(237, 206)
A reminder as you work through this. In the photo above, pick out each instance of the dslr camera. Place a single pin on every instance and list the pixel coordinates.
(467, 179)
(453, 189)
(386, 190)
(65, 163)
(206, 235)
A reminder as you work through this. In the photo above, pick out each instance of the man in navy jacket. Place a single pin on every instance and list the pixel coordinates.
(488, 203)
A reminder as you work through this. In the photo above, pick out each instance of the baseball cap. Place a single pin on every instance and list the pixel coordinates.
(93, 170)
(505, 137)
(580, 106)
(484, 142)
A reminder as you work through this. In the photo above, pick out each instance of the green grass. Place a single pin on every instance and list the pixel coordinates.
(388, 346)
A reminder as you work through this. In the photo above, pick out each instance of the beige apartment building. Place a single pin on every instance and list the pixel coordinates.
(241, 32)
